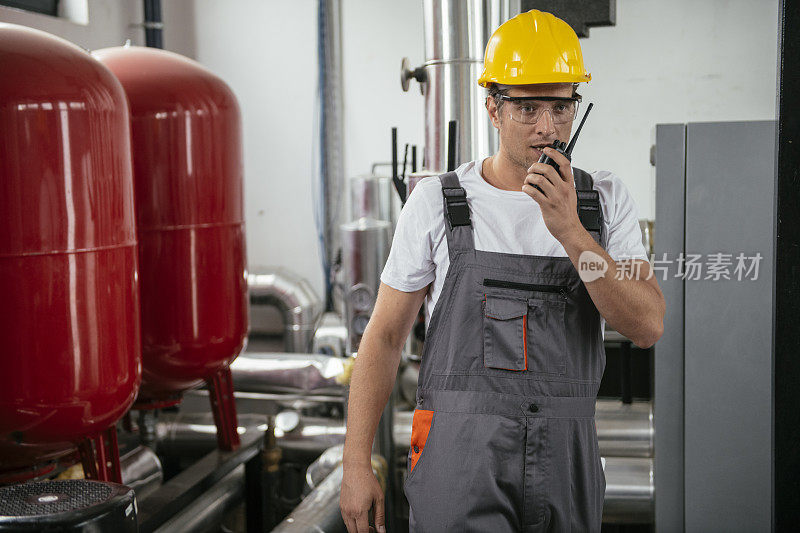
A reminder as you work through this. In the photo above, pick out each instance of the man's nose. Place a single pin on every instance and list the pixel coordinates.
(545, 126)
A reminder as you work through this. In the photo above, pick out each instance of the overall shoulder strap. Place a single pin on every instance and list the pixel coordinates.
(590, 211)
(457, 223)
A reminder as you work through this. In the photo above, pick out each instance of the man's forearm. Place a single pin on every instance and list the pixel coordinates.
(371, 383)
(629, 303)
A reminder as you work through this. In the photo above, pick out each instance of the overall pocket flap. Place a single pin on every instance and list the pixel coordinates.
(501, 308)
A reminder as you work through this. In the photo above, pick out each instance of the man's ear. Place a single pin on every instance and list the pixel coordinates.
(491, 108)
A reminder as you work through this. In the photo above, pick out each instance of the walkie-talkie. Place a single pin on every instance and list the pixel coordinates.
(564, 148)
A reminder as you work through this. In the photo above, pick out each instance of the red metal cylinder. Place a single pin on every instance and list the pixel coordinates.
(186, 139)
(70, 359)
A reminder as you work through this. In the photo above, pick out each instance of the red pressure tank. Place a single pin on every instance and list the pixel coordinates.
(186, 139)
(70, 358)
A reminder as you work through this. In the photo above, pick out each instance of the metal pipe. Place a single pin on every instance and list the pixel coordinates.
(206, 512)
(324, 465)
(295, 299)
(294, 373)
(319, 511)
(329, 58)
(330, 336)
(141, 471)
(625, 430)
(153, 24)
(456, 34)
(195, 434)
(630, 491)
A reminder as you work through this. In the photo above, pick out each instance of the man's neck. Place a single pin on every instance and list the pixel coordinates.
(501, 173)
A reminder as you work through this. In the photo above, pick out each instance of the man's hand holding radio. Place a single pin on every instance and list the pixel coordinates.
(554, 191)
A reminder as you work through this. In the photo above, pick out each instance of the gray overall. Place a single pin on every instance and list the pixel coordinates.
(503, 435)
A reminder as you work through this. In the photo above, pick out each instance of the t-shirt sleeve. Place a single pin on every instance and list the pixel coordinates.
(621, 219)
(410, 265)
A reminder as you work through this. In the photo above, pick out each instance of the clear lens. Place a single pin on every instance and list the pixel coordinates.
(530, 111)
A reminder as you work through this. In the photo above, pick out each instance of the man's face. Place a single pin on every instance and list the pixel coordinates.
(518, 141)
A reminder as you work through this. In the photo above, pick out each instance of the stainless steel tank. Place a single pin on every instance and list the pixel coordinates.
(365, 248)
(374, 197)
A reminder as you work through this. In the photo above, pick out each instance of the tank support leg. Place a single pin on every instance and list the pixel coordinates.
(223, 405)
(96, 454)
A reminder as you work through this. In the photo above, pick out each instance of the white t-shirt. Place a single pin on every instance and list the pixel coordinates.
(502, 221)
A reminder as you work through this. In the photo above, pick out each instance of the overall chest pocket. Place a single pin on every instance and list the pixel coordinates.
(504, 332)
(524, 334)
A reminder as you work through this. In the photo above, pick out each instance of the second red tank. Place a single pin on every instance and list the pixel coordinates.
(187, 161)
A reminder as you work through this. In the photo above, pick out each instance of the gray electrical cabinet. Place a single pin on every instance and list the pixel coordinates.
(715, 206)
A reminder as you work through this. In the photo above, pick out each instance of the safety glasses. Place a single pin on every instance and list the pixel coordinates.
(528, 110)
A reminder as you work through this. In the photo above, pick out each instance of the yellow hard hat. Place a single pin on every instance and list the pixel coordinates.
(533, 47)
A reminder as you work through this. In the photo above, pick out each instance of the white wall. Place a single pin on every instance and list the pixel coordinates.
(377, 35)
(267, 52)
(110, 24)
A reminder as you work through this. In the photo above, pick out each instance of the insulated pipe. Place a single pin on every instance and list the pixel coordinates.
(196, 434)
(297, 373)
(629, 480)
(319, 511)
(625, 430)
(141, 471)
(303, 440)
(630, 491)
(295, 299)
(324, 465)
(622, 431)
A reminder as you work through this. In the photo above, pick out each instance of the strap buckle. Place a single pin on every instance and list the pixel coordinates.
(589, 212)
(456, 207)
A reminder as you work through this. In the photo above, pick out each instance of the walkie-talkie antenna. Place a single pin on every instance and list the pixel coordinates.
(571, 144)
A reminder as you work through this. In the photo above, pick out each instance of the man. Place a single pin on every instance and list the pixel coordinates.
(503, 435)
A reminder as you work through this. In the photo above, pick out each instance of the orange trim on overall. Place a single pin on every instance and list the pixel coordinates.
(525, 339)
(420, 426)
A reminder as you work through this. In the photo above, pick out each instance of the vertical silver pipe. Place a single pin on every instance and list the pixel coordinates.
(332, 146)
(456, 34)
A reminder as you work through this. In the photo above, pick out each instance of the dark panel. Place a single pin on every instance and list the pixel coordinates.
(45, 7)
(787, 277)
(580, 14)
(668, 352)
